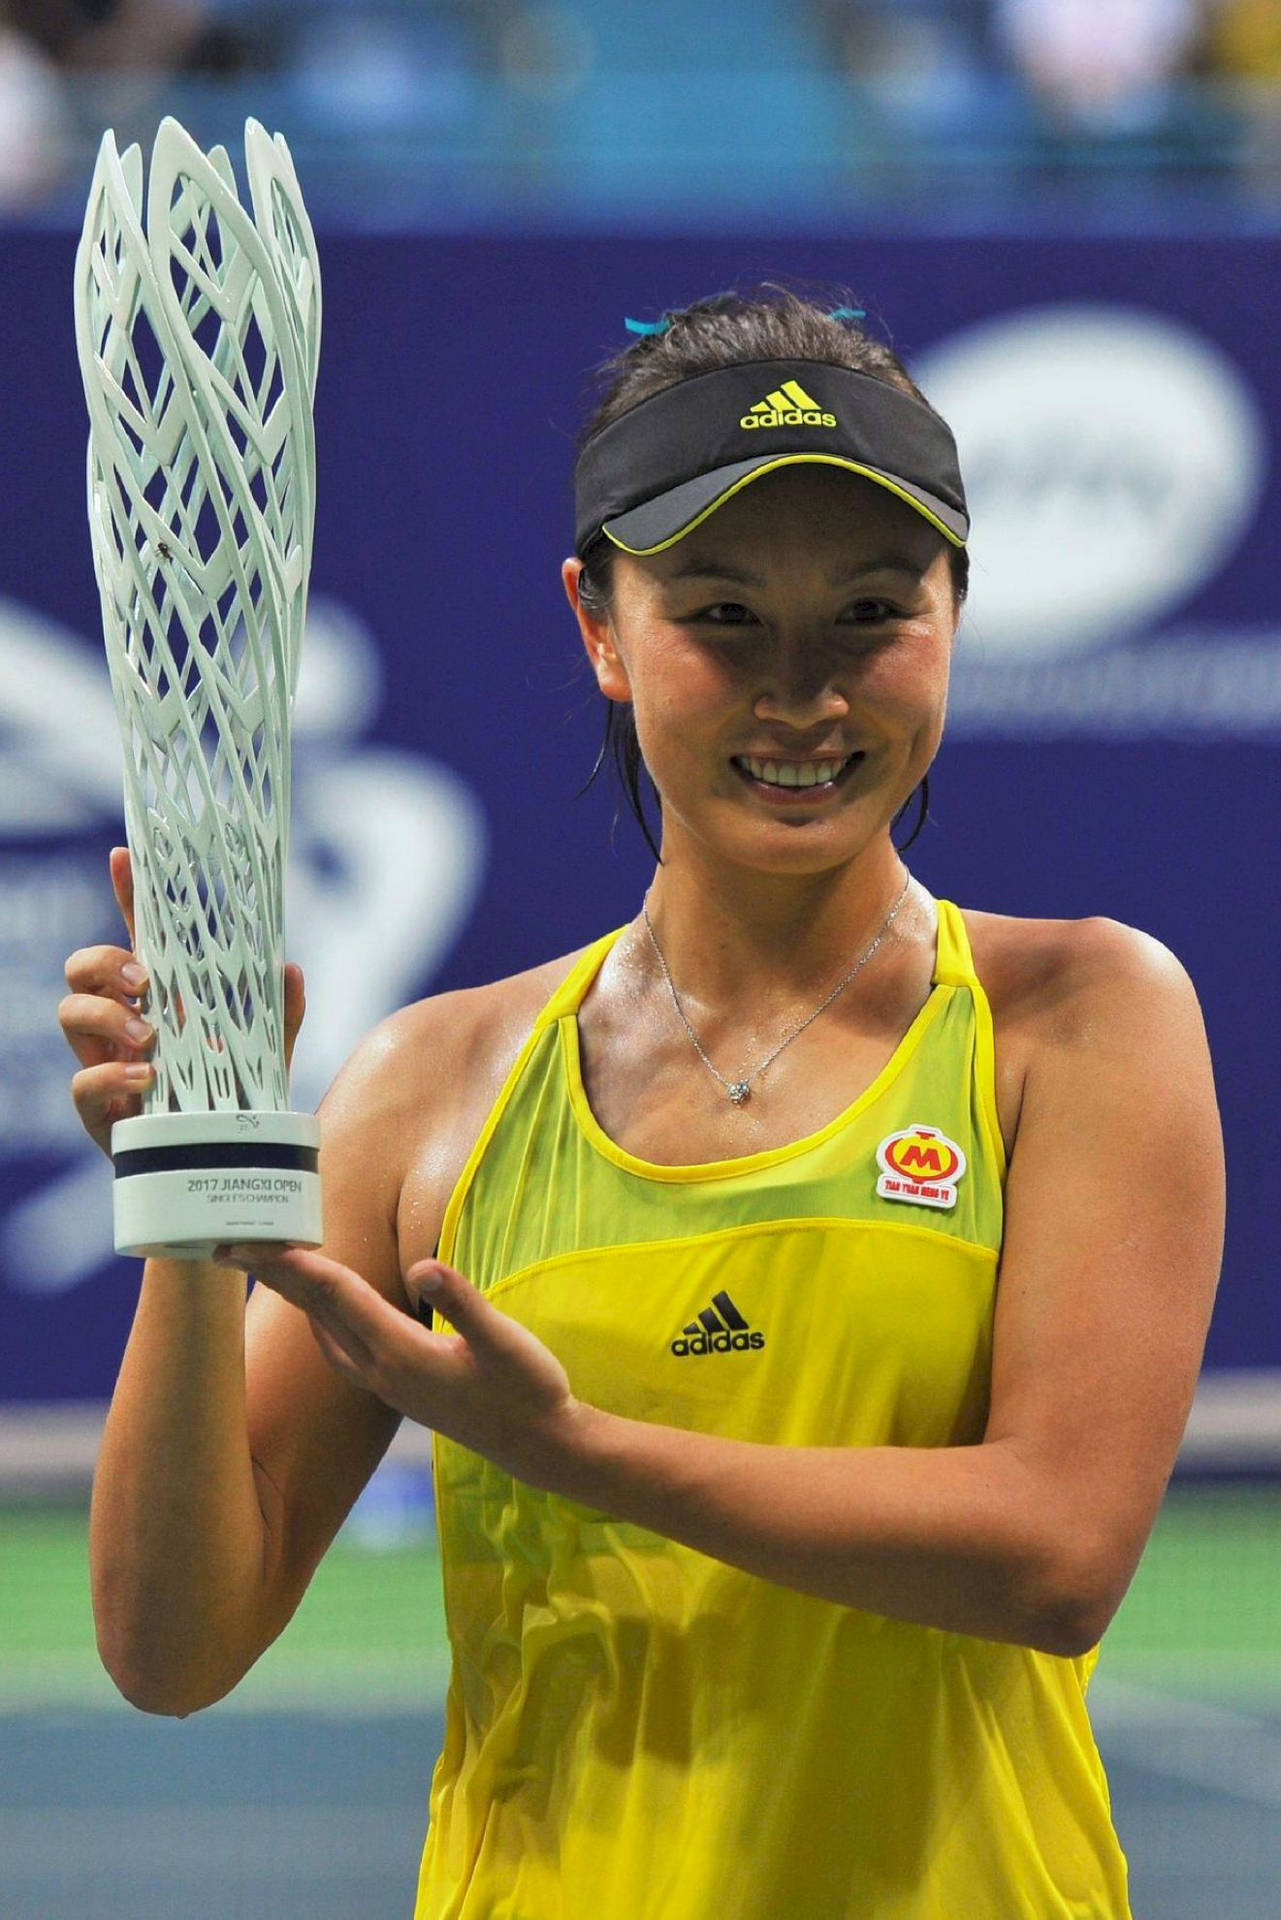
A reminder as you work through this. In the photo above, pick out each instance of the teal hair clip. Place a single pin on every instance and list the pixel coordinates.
(848, 313)
(649, 326)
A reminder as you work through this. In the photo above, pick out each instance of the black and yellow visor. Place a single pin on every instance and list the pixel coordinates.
(658, 470)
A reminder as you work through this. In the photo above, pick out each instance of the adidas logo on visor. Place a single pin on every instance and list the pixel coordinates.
(788, 406)
(719, 1328)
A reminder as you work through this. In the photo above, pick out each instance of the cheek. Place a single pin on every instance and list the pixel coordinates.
(910, 679)
(676, 686)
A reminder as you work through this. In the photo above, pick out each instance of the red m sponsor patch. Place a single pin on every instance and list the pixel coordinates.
(920, 1165)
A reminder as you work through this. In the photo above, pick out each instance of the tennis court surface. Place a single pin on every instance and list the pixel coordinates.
(305, 1793)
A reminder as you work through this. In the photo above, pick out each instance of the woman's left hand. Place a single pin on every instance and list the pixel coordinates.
(491, 1384)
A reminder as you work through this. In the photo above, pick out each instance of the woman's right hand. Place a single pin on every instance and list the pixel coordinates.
(103, 1019)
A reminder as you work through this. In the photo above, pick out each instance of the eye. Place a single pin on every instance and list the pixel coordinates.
(724, 613)
(870, 612)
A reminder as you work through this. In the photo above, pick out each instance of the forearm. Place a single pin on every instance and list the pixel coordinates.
(953, 1537)
(177, 1537)
(968, 1539)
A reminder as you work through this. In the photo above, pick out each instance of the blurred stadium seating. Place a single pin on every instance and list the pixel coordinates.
(449, 111)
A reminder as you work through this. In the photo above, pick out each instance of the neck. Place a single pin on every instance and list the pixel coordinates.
(728, 933)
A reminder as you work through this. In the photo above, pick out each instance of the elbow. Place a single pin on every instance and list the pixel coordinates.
(1069, 1630)
(1073, 1604)
(148, 1700)
(152, 1693)
(164, 1701)
(167, 1695)
(157, 1661)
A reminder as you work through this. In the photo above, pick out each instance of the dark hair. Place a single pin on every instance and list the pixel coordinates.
(769, 322)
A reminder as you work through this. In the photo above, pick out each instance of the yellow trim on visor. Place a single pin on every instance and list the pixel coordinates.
(791, 460)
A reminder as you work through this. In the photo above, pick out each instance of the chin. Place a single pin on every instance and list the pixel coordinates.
(785, 850)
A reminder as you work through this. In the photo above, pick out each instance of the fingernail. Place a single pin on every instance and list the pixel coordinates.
(133, 975)
(137, 1029)
(138, 1070)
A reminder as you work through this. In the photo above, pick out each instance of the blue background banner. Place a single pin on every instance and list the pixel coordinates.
(1116, 727)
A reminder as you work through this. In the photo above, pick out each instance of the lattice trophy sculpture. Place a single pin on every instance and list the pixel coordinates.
(198, 330)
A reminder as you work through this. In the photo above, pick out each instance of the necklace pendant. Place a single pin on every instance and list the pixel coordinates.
(738, 1091)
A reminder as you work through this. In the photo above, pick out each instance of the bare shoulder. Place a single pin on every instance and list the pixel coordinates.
(477, 1029)
(1057, 987)
(421, 1048)
(1052, 974)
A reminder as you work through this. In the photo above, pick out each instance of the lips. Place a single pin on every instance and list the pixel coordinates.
(794, 780)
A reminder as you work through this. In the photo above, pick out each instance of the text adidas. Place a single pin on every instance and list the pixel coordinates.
(792, 417)
(716, 1343)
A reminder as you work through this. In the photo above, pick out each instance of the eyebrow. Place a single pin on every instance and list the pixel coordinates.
(709, 569)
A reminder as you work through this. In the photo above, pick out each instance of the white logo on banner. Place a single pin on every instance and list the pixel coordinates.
(387, 854)
(1114, 461)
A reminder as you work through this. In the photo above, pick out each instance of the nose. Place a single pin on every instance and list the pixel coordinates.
(799, 690)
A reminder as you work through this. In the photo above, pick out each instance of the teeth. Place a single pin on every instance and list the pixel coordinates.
(788, 774)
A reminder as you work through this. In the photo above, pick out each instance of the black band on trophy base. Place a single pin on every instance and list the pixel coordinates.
(168, 1159)
(187, 1181)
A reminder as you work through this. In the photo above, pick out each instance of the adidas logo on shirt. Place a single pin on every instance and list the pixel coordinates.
(788, 406)
(719, 1328)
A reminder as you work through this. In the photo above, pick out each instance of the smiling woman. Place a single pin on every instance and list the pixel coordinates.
(713, 335)
(809, 624)
(815, 1350)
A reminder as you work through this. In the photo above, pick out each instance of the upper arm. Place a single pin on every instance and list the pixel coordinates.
(315, 1437)
(1113, 1239)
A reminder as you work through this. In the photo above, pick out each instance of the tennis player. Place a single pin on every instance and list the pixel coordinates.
(820, 1271)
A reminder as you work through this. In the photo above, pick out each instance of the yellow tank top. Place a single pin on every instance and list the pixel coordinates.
(635, 1731)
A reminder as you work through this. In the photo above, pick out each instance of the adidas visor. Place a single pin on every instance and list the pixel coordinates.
(651, 476)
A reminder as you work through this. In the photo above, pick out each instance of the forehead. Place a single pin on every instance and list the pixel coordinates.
(804, 513)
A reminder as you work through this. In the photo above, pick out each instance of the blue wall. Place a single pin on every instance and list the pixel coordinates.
(449, 718)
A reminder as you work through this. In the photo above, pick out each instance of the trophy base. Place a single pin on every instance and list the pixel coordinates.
(186, 1182)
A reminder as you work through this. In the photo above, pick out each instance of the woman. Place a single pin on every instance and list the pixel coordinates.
(777, 1535)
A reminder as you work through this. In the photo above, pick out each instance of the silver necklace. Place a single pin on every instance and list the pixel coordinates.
(740, 1089)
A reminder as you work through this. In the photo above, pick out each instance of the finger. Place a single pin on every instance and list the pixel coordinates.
(109, 1093)
(104, 969)
(338, 1357)
(370, 1330)
(98, 1029)
(121, 869)
(295, 1008)
(451, 1294)
(316, 1287)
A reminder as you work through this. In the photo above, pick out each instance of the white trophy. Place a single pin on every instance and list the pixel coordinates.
(198, 331)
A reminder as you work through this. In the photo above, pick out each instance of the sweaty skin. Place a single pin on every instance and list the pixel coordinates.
(812, 616)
